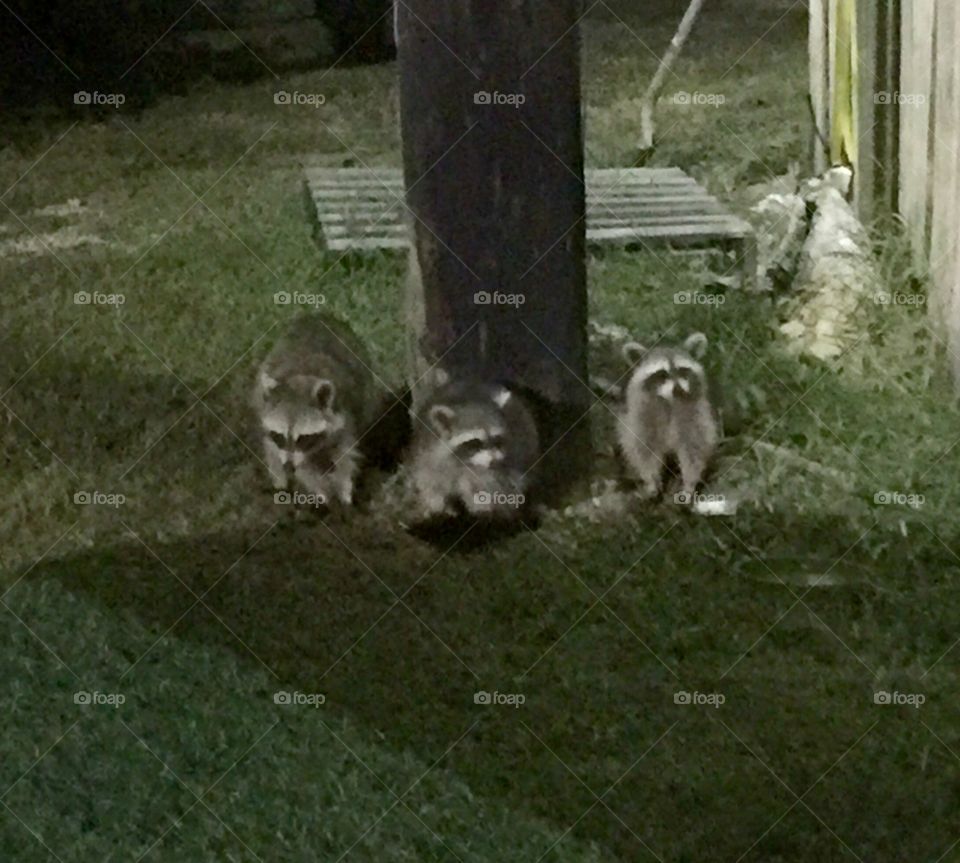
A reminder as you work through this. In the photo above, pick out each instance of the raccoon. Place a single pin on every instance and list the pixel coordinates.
(314, 397)
(474, 446)
(667, 411)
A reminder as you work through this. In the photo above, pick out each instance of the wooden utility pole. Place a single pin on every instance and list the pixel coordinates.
(493, 166)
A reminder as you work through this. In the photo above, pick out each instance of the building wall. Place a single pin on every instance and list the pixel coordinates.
(902, 92)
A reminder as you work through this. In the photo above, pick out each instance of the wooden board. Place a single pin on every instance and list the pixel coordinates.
(365, 209)
(887, 150)
(916, 81)
(819, 81)
(866, 51)
(945, 224)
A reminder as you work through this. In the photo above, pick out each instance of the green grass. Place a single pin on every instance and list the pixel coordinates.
(598, 625)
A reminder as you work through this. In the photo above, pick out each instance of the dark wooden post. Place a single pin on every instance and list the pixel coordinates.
(493, 164)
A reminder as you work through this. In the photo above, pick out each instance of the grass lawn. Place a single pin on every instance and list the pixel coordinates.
(196, 600)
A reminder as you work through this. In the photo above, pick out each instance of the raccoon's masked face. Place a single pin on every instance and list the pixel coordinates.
(300, 421)
(474, 434)
(673, 380)
(670, 374)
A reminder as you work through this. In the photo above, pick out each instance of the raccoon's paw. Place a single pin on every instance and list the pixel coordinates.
(345, 494)
(436, 506)
(649, 490)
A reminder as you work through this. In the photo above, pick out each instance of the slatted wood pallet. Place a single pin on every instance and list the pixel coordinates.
(362, 209)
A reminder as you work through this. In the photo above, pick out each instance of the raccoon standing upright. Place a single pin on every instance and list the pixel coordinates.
(668, 411)
(314, 397)
(474, 447)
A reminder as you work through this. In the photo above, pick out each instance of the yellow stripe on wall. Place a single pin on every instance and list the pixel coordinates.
(843, 132)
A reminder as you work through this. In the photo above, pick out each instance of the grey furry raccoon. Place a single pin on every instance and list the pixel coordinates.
(314, 397)
(474, 446)
(667, 411)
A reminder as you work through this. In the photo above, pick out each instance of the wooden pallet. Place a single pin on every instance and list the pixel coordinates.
(359, 208)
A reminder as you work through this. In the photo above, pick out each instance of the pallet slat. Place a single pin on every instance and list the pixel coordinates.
(592, 192)
(342, 245)
(665, 232)
(594, 178)
(599, 173)
(371, 207)
(384, 216)
(395, 185)
(596, 227)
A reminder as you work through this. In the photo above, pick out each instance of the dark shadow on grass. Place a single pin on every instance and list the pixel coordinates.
(466, 534)
(91, 413)
(400, 638)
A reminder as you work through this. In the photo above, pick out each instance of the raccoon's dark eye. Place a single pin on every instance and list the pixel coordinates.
(658, 378)
(309, 441)
(471, 447)
(279, 439)
(688, 377)
(496, 441)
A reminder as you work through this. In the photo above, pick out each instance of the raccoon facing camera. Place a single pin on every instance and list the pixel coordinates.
(667, 415)
(314, 397)
(474, 448)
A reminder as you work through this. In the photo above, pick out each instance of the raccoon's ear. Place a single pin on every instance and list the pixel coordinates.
(696, 345)
(268, 383)
(441, 418)
(437, 376)
(324, 393)
(633, 352)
